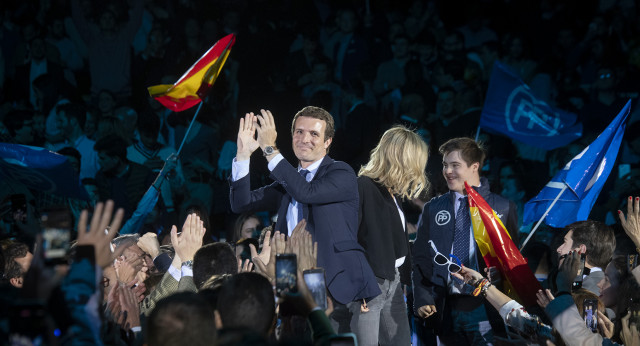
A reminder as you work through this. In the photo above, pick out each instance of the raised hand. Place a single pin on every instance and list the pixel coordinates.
(126, 269)
(244, 267)
(301, 244)
(278, 245)
(265, 255)
(169, 164)
(631, 223)
(149, 244)
(247, 143)
(266, 128)
(568, 271)
(187, 243)
(101, 231)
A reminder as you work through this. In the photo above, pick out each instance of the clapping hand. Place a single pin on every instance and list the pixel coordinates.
(278, 245)
(265, 255)
(190, 240)
(149, 244)
(301, 244)
(244, 267)
(247, 143)
(127, 269)
(266, 129)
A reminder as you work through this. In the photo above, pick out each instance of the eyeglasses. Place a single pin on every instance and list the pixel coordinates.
(442, 260)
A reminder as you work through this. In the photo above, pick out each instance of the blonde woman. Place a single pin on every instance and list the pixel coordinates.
(396, 170)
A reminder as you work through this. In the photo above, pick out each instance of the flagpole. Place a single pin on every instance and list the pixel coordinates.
(189, 129)
(543, 216)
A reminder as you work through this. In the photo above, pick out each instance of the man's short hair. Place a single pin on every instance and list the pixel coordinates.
(316, 113)
(213, 259)
(125, 240)
(597, 237)
(246, 302)
(73, 111)
(112, 145)
(12, 269)
(470, 150)
(181, 319)
(70, 151)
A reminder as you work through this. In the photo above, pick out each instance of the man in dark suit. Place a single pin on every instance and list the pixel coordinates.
(320, 190)
(449, 310)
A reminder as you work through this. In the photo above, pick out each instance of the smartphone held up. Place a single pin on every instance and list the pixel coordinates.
(286, 273)
(315, 280)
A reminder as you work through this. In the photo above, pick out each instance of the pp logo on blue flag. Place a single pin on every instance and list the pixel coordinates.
(511, 109)
(525, 114)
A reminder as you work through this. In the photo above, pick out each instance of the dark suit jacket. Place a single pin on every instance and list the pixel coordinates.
(430, 279)
(380, 230)
(331, 210)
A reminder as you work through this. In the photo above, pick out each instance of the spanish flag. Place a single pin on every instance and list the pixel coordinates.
(498, 250)
(194, 85)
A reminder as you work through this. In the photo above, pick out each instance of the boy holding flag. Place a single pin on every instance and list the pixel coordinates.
(450, 310)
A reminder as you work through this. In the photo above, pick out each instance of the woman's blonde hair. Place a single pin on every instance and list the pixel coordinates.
(398, 162)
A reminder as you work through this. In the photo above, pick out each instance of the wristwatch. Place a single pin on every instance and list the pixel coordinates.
(188, 264)
(268, 150)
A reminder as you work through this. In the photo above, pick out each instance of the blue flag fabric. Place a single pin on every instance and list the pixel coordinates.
(512, 110)
(40, 169)
(584, 177)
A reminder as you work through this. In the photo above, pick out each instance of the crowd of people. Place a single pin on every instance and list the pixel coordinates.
(393, 90)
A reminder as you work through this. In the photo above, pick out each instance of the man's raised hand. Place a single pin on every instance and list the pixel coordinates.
(247, 142)
(266, 128)
(190, 240)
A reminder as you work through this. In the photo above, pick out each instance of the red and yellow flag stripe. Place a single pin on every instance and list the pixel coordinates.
(498, 250)
(193, 86)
